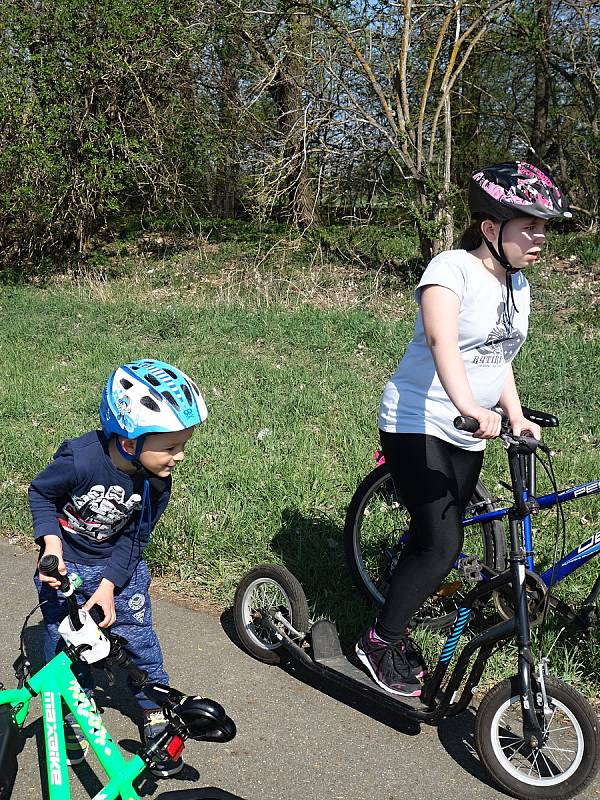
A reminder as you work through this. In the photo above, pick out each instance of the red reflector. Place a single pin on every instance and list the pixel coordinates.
(175, 747)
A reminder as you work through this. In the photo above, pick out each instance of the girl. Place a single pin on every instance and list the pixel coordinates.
(472, 320)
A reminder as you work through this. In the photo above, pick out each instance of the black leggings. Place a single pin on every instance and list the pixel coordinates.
(435, 480)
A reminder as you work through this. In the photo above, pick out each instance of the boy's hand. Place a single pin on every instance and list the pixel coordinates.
(104, 596)
(53, 547)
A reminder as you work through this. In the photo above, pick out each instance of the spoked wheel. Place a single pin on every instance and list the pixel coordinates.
(266, 590)
(376, 531)
(565, 764)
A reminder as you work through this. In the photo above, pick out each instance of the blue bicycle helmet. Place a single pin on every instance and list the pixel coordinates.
(149, 396)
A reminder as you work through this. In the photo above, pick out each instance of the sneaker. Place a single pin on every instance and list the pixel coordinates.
(75, 741)
(388, 665)
(418, 667)
(154, 724)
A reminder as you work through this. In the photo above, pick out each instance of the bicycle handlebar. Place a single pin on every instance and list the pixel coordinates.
(48, 565)
(120, 657)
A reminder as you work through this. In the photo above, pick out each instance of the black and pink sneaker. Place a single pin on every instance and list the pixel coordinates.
(388, 665)
(418, 667)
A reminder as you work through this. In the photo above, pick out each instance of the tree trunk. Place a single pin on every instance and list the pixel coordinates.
(539, 132)
(466, 123)
(287, 94)
(227, 192)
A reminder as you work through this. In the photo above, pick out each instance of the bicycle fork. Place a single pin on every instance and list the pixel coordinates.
(532, 732)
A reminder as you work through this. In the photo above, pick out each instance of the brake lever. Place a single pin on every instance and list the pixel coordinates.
(530, 443)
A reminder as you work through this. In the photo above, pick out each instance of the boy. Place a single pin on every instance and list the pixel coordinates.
(95, 506)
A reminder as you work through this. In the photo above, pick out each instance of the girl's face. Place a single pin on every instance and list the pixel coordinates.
(523, 239)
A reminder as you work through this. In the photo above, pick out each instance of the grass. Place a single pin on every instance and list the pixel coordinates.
(291, 349)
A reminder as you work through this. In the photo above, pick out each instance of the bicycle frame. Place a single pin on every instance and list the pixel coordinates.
(56, 682)
(586, 550)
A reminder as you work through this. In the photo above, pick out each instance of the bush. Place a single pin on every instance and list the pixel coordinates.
(94, 121)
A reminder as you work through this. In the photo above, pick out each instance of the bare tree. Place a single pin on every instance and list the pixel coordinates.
(402, 70)
(277, 40)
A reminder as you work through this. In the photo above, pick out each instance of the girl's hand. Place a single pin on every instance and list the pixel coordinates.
(104, 596)
(520, 425)
(53, 547)
(489, 423)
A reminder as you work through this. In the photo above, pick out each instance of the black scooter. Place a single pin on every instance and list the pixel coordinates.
(537, 736)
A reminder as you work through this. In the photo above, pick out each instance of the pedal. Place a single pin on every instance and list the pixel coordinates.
(587, 618)
(469, 568)
(325, 641)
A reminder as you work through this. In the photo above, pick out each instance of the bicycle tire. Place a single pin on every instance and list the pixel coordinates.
(563, 767)
(10, 745)
(268, 587)
(371, 556)
(6, 791)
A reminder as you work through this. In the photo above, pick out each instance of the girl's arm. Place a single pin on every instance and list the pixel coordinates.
(511, 405)
(439, 309)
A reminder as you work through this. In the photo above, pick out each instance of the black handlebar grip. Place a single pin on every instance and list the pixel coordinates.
(48, 565)
(469, 424)
(137, 675)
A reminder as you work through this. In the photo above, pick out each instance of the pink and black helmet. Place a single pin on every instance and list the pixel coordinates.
(516, 189)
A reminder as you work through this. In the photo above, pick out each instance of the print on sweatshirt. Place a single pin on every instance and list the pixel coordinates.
(100, 512)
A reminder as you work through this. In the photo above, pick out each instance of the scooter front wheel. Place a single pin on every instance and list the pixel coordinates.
(270, 590)
(565, 764)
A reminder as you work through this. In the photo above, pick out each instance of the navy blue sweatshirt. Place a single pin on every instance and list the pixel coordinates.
(103, 515)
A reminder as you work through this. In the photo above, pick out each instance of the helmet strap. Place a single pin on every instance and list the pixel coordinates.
(134, 458)
(501, 258)
(499, 254)
(157, 482)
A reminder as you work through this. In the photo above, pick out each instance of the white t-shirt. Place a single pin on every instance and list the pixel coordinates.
(490, 333)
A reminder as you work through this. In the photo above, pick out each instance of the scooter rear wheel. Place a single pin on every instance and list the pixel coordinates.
(268, 588)
(569, 758)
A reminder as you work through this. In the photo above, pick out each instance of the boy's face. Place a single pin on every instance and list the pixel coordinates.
(163, 451)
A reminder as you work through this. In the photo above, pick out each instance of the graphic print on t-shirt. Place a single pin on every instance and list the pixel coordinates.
(100, 513)
(503, 341)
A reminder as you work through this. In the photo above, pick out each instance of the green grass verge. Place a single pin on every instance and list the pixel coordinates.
(291, 353)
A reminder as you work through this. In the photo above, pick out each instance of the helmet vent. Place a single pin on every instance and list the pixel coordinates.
(171, 374)
(188, 395)
(169, 397)
(194, 387)
(151, 379)
(148, 402)
(125, 383)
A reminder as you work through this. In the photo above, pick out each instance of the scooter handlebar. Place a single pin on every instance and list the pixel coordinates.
(468, 424)
(527, 443)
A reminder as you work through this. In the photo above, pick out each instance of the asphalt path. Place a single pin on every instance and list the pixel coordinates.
(295, 740)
